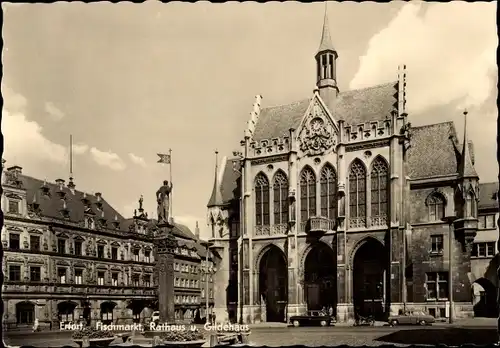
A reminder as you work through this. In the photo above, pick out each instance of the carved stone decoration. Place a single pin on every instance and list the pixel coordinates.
(317, 136)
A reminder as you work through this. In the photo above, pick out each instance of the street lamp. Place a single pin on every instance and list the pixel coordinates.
(207, 245)
(450, 220)
(240, 157)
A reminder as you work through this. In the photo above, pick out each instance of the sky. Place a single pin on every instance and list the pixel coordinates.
(129, 81)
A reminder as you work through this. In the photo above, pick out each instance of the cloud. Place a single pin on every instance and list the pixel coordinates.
(54, 112)
(449, 50)
(80, 149)
(450, 53)
(24, 139)
(107, 159)
(137, 160)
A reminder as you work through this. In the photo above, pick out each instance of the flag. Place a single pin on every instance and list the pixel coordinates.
(164, 158)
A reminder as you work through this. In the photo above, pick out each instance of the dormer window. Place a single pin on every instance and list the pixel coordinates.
(89, 223)
(45, 189)
(13, 207)
(435, 204)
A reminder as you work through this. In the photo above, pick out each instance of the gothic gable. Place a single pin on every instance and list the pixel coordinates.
(317, 133)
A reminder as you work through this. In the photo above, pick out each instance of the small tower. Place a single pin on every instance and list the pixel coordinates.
(326, 61)
(215, 204)
(468, 186)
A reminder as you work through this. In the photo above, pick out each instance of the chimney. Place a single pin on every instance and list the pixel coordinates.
(98, 195)
(15, 169)
(197, 231)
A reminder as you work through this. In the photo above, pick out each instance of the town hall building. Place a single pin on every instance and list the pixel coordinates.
(336, 201)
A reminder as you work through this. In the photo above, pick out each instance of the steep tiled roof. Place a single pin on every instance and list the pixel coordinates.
(432, 152)
(276, 121)
(52, 205)
(488, 195)
(230, 181)
(354, 107)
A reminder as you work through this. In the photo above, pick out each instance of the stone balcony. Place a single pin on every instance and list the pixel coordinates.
(36, 289)
(319, 225)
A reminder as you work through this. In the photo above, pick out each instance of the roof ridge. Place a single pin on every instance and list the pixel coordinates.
(371, 87)
(288, 104)
(433, 124)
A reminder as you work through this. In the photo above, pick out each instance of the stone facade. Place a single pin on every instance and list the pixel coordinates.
(69, 255)
(340, 189)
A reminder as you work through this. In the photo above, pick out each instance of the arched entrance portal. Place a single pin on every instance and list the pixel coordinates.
(485, 298)
(66, 310)
(320, 278)
(273, 285)
(25, 312)
(369, 265)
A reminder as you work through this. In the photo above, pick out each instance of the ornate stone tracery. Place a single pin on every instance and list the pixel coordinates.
(318, 135)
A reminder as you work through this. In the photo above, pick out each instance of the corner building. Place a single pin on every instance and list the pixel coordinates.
(336, 201)
(70, 255)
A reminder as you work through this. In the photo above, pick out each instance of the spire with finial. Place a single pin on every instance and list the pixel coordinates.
(141, 200)
(326, 66)
(216, 198)
(326, 39)
(466, 169)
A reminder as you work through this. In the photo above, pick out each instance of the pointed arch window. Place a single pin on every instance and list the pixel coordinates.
(307, 194)
(261, 200)
(280, 188)
(470, 205)
(357, 194)
(435, 204)
(328, 192)
(379, 176)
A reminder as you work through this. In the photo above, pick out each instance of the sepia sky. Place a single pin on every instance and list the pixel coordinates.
(131, 80)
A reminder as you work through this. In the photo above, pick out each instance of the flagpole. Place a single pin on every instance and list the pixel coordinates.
(171, 193)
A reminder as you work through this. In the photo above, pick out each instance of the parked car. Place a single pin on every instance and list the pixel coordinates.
(411, 318)
(312, 318)
(155, 317)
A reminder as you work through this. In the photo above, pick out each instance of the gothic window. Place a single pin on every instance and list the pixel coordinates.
(280, 187)
(307, 194)
(328, 182)
(470, 205)
(379, 182)
(435, 204)
(357, 190)
(261, 200)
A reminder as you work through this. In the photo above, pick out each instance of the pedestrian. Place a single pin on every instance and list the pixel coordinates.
(330, 311)
(36, 327)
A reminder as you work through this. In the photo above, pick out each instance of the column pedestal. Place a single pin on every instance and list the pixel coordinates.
(165, 245)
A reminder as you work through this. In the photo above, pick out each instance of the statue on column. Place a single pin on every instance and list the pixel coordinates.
(163, 200)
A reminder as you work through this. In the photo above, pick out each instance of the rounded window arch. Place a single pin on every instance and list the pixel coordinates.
(436, 204)
(328, 191)
(261, 200)
(307, 194)
(379, 182)
(357, 194)
(280, 195)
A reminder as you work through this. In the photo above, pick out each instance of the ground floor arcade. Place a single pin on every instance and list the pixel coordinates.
(24, 311)
(364, 278)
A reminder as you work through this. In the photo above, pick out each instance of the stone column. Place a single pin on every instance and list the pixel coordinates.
(292, 249)
(165, 245)
(221, 281)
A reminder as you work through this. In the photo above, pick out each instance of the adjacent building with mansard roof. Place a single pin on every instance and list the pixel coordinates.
(336, 201)
(69, 255)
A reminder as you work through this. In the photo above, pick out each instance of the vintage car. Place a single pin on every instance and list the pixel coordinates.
(312, 318)
(411, 318)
